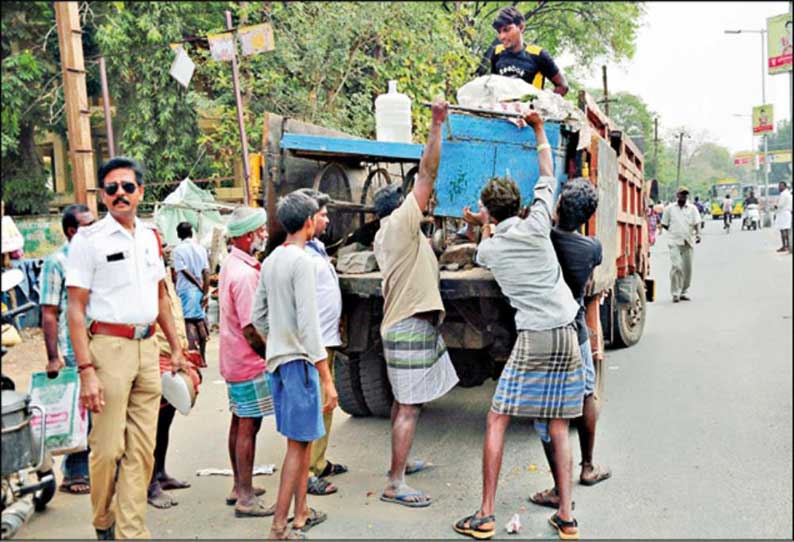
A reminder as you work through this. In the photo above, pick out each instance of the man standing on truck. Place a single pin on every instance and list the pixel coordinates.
(543, 378)
(682, 220)
(514, 58)
(417, 361)
(578, 256)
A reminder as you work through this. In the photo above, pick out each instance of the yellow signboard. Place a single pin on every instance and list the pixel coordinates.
(779, 43)
(748, 158)
(763, 119)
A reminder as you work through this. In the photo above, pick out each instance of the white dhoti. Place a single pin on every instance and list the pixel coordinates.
(783, 219)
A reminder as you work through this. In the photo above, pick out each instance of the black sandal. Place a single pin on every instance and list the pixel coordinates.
(332, 469)
(475, 529)
(560, 525)
(319, 486)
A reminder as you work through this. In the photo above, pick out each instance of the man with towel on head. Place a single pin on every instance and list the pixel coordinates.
(242, 355)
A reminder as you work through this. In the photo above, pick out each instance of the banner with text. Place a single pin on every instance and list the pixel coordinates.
(763, 119)
(779, 43)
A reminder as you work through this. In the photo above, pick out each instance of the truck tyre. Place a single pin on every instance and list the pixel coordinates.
(375, 384)
(348, 386)
(629, 317)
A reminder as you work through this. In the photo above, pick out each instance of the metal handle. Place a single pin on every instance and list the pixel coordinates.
(42, 433)
(16, 427)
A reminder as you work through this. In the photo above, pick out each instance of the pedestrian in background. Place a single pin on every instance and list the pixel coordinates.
(783, 217)
(285, 313)
(115, 274)
(329, 306)
(242, 356)
(55, 326)
(682, 220)
(192, 269)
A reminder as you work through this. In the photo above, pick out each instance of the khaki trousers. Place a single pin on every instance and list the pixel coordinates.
(317, 461)
(123, 434)
(680, 269)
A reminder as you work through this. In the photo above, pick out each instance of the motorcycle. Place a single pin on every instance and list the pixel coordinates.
(751, 218)
(28, 482)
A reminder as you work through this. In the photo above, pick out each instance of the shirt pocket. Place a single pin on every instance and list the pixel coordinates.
(114, 274)
(151, 266)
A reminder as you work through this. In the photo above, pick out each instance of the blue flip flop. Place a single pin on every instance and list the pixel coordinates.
(412, 467)
(402, 498)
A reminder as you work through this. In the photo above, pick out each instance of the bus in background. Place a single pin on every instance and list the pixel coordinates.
(774, 194)
(730, 186)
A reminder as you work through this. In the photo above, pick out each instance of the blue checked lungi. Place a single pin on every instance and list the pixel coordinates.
(417, 362)
(250, 398)
(543, 378)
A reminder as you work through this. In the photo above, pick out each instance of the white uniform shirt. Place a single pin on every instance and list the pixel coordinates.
(121, 271)
(783, 214)
(681, 223)
(329, 295)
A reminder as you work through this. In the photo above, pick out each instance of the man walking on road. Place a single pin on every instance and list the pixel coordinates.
(115, 274)
(578, 256)
(682, 220)
(242, 356)
(783, 218)
(192, 269)
(285, 313)
(55, 326)
(417, 362)
(543, 379)
(329, 306)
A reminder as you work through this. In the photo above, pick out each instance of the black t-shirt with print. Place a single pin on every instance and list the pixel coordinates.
(524, 64)
(578, 256)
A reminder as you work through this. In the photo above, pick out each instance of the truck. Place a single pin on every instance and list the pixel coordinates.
(479, 327)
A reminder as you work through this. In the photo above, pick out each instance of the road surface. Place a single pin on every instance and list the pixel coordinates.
(696, 425)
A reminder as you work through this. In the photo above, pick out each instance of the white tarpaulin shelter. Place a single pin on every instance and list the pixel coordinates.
(189, 203)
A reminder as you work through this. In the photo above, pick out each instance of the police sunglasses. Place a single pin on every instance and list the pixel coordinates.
(112, 188)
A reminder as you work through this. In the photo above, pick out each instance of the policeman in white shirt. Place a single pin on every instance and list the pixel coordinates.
(114, 274)
(682, 220)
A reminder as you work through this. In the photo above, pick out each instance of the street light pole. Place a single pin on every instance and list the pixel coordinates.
(681, 135)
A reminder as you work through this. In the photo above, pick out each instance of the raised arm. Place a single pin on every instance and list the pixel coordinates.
(428, 165)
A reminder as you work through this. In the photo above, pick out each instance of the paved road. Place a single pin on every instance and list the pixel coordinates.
(697, 426)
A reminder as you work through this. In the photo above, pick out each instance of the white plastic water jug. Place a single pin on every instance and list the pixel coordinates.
(393, 116)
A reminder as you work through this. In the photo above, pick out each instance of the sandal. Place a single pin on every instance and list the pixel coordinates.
(412, 467)
(473, 526)
(315, 518)
(286, 534)
(566, 530)
(320, 486)
(332, 469)
(257, 510)
(599, 474)
(69, 486)
(548, 498)
(258, 492)
(405, 498)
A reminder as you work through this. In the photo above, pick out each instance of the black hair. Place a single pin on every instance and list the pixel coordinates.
(501, 197)
(69, 218)
(320, 198)
(387, 199)
(120, 162)
(294, 209)
(506, 16)
(184, 230)
(578, 202)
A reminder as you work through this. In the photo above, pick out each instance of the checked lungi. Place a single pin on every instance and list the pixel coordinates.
(544, 377)
(250, 398)
(417, 362)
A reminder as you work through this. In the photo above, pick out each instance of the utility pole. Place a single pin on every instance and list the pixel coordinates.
(681, 135)
(606, 90)
(240, 119)
(656, 148)
(763, 102)
(78, 114)
(103, 77)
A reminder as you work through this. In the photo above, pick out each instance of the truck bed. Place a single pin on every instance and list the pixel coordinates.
(468, 283)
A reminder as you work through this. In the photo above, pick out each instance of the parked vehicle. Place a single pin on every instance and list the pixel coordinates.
(751, 219)
(27, 485)
(479, 327)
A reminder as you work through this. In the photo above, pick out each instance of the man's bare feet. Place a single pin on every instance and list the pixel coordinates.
(592, 474)
(160, 499)
(167, 482)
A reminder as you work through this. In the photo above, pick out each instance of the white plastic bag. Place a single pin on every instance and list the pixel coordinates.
(66, 418)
